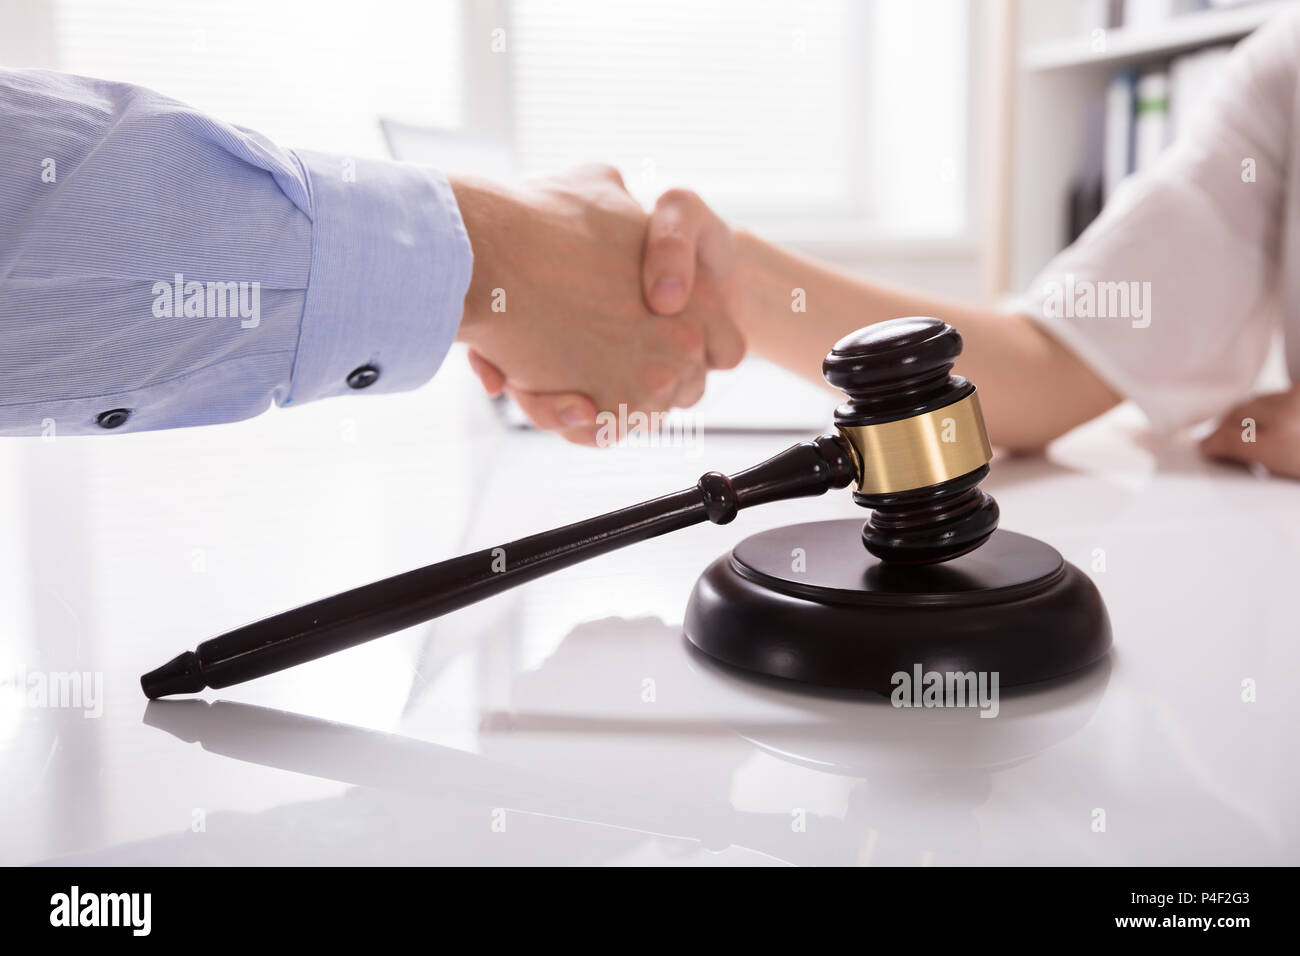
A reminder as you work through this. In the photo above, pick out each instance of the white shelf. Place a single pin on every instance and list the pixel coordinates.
(1127, 45)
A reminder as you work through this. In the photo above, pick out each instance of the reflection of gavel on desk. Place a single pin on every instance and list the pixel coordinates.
(936, 586)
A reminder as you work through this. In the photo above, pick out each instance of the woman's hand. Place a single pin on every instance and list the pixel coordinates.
(1263, 431)
(683, 238)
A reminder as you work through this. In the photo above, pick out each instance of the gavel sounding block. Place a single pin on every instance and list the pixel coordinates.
(807, 602)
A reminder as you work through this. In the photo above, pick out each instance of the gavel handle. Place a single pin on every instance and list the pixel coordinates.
(353, 617)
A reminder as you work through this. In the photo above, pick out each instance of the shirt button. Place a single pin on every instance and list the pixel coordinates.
(113, 418)
(363, 377)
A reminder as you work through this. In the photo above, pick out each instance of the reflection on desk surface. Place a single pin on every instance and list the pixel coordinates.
(568, 721)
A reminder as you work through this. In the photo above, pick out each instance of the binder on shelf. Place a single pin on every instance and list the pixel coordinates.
(1086, 190)
(1119, 131)
(1151, 118)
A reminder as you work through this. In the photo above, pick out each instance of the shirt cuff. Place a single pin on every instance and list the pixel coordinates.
(390, 265)
(1091, 354)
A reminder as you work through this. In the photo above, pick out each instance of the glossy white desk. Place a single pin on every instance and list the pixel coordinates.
(567, 722)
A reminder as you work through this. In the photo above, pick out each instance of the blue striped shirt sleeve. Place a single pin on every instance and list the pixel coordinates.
(160, 269)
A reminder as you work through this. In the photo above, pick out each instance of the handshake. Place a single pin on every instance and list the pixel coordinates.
(581, 302)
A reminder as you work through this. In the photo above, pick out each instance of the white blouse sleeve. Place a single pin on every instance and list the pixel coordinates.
(1168, 295)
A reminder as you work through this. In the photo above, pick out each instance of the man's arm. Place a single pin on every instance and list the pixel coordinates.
(159, 268)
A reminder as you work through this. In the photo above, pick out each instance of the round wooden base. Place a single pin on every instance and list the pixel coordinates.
(808, 603)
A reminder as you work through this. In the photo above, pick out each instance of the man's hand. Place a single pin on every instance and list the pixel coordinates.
(1273, 422)
(554, 314)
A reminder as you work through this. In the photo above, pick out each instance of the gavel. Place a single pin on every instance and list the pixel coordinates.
(910, 437)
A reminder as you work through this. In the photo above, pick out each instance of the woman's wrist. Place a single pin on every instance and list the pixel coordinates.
(754, 280)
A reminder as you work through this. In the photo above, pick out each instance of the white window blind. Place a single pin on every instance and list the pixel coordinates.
(305, 73)
(844, 114)
(773, 109)
(746, 101)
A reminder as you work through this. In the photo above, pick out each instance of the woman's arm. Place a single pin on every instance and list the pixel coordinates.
(1032, 388)
(792, 309)
(1173, 279)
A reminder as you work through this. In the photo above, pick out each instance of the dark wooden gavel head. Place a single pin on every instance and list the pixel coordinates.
(918, 440)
